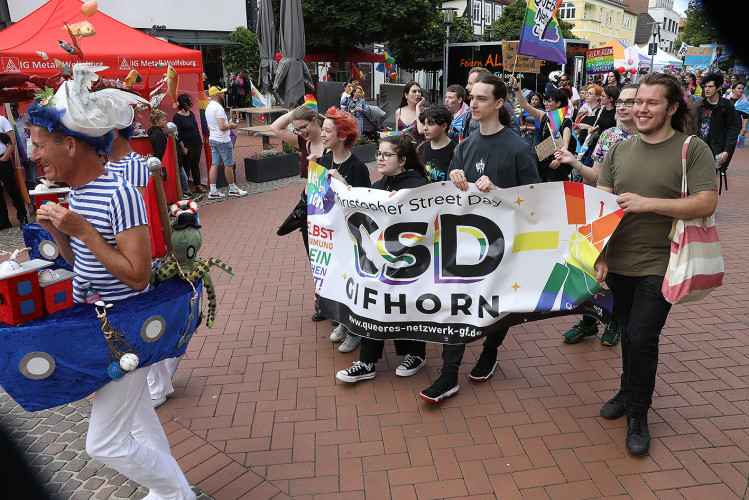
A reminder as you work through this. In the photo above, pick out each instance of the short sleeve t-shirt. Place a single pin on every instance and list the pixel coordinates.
(7, 128)
(640, 246)
(112, 205)
(213, 112)
(131, 167)
(706, 118)
(503, 157)
(353, 170)
(436, 161)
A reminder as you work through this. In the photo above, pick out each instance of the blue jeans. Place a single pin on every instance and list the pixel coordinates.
(222, 153)
(641, 311)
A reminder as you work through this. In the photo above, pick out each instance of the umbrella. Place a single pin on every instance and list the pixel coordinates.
(267, 41)
(293, 79)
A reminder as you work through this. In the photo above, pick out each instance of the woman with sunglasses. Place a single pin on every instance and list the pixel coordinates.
(401, 168)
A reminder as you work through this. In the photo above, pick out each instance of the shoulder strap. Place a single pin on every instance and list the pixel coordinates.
(684, 150)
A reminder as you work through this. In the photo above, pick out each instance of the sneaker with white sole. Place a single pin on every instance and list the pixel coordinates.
(339, 333)
(216, 195)
(410, 365)
(158, 401)
(350, 343)
(238, 192)
(358, 371)
(445, 386)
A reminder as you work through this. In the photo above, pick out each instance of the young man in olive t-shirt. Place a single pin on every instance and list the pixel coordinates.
(645, 172)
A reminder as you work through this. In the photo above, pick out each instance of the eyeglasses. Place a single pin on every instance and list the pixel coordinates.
(300, 130)
(384, 155)
(628, 103)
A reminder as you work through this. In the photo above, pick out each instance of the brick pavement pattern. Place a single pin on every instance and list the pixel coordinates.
(257, 412)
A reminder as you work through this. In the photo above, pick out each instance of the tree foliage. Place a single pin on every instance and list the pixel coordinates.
(509, 24)
(424, 50)
(349, 24)
(698, 28)
(245, 56)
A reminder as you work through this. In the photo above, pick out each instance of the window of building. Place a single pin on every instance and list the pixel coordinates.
(497, 11)
(477, 11)
(600, 16)
(488, 10)
(567, 11)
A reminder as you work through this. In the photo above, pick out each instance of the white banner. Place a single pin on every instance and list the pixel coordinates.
(442, 265)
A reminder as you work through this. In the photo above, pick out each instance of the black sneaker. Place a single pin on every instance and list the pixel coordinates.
(410, 365)
(317, 317)
(614, 407)
(445, 386)
(638, 436)
(485, 366)
(358, 371)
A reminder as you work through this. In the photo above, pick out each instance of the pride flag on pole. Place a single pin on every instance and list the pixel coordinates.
(556, 118)
(540, 36)
(257, 98)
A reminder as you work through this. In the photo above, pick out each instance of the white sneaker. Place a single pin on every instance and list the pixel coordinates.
(350, 343)
(216, 195)
(410, 365)
(158, 402)
(238, 192)
(338, 334)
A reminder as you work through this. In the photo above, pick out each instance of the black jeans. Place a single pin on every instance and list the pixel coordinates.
(192, 161)
(8, 178)
(641, 311)
(371, 349)
(452, 355)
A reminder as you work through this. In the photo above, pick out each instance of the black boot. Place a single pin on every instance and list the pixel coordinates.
(638, 436)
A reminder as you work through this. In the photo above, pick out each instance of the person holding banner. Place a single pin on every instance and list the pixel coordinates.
(645, 173)
(549, 169)
(339, 133)
(399, 164)
(492, 158)
(436, 152)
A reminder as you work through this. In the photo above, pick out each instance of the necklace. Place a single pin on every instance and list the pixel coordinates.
(336, 165)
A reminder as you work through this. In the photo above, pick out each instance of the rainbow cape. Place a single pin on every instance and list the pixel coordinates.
(309, 100)
(540, 35)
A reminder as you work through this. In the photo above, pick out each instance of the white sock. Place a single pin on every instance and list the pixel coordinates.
(233, 187)
(213, 188)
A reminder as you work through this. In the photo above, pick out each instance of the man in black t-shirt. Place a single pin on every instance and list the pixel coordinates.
(492, 158)
(436, 152)
(717, 118)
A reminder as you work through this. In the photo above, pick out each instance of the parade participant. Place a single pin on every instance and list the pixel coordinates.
(339, 133)
(407, 114)
(159, 141)
(528, 124)
(469, 125)
(718, 122)
(549, 169)
(400, 167)
(588, 326)
(455, 98)
(436, 152)
(493, 158)
(8, 176)
(590, 110)
(125, 162)
(612, 79)
(347, 89)
(737, 94)
(113, 253)
(645, 173)
(357, 106)
(29, 167)
(190, 141)
(574, 101)
(222, 149)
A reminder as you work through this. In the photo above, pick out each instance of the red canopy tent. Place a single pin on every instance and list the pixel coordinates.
(330, 54)
(116, 45)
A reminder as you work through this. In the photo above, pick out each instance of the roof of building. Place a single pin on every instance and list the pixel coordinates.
(644, 29)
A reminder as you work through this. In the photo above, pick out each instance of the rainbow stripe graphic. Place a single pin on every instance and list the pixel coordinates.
(398, 132)
(309, 100)
(480, 237)
(258, 100)
(556, 118)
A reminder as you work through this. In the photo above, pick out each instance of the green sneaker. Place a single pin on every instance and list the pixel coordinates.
(580, 330)
(610, 335)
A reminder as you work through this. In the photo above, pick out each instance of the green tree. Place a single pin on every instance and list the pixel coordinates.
(698, 28)
(509, 24)
(348, 24)
(245, 56)
(424, 50)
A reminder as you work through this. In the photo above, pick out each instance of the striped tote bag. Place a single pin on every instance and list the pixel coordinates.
(695, 266)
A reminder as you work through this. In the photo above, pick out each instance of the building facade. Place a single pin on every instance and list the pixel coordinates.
(481, 13)
(662, 11)
(600, 20)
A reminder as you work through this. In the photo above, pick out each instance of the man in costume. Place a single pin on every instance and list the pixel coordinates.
(68, 132)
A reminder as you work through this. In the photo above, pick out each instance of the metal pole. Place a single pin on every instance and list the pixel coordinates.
(445, 83)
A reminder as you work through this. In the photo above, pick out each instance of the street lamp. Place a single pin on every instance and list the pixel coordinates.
(654, 45)
(448, 14)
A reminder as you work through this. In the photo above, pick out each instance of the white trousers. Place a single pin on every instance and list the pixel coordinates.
(160, 377)
(125, 434)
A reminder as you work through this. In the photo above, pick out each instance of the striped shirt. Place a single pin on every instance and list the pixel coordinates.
(131, 167)
(112, 205)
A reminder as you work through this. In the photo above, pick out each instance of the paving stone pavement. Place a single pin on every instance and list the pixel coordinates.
(257, 412)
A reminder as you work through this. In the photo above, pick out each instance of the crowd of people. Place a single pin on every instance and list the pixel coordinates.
(621, 137)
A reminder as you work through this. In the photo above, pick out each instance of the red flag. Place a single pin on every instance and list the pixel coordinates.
(168, 165)
(158, 247)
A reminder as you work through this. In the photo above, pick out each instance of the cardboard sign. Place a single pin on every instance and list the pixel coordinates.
(599, 60)
(699, 56)
(525, 64)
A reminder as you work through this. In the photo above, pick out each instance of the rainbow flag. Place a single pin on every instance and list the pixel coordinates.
(540, 36)
(556, 118)
(257, 98)
(397, 132)
(309, 100)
